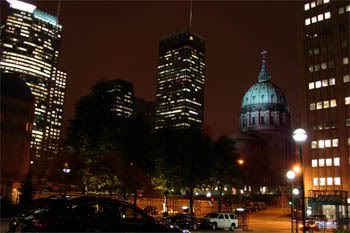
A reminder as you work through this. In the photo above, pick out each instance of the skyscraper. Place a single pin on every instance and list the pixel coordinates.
(120, 96)
(326, 67)
(29, 47)
(180, 81)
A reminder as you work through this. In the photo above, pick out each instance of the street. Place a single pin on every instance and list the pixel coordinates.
(268, 221)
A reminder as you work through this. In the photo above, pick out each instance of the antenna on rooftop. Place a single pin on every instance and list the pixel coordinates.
(58, 10)
(190, 23)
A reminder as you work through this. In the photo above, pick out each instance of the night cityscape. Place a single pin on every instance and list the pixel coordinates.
(175, 116)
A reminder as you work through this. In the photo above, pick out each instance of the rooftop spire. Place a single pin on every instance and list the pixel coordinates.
(190, 20)
(264, 74)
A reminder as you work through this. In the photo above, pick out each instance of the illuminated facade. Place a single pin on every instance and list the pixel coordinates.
(326, 68)
(264, 142)
(180, 81)
(29, 46)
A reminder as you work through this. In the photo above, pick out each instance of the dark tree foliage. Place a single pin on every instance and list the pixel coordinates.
(224, 170)
(108, 144)
(26, 191)
(183, 158)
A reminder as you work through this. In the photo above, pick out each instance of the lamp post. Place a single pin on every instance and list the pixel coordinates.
(66, 170)
(291, 176)
(300, 136)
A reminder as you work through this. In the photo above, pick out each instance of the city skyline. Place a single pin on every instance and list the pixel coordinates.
(231, 47)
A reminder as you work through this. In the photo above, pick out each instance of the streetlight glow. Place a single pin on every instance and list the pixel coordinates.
(299, 135)
(240, 161)
(291, 175)
(297, 169)
(296, 192)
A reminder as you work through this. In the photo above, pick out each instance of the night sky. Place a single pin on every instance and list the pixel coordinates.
(119, 39)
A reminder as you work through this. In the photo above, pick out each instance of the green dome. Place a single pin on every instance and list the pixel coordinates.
(264, 93)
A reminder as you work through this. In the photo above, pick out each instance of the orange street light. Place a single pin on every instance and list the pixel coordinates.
(297, 169)
(240, 161)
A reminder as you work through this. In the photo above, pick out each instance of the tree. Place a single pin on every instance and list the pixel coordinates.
(26, 191)
(183, 159)
(225, 171)
(108, 143)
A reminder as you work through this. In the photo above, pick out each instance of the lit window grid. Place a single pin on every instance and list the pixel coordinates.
(321, 83)
(318, 18)
(324, 143)
(323, 104)
(326, 181)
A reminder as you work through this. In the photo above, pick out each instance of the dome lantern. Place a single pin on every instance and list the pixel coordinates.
(264, 74)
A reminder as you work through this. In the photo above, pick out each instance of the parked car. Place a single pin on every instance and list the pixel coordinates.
(260, 205)
(221, 220)
(185, 221)
(85, 214)
(250, 207)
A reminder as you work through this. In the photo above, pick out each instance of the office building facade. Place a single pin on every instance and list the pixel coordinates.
(180, 81)
(325, 38)
(119, 95)
(29, 47)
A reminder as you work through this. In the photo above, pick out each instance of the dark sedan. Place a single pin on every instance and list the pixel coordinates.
(185, 221)
(85, 214)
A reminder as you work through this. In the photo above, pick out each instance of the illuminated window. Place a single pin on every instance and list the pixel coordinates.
(345, 60)
(320, 17)
(328, 162)
(331, 81)
(312, 106)
(314, 19)
(307, 21)
(336, 161)
(316, 51)
(313, 4)
(327, 15)
(314, 144)
(317, 67)
(321, 162)
(336, 180)
(326, 104)
(329, 180)
(335, 142)
(328, 143)
(311, 68)
(320, 143)
(324, 65)
(306, 6)
(318, 84)
(322, 181)
(325, 1)
(341, 10)
(311, 85)
(315, 181)
(347, 100)
(346, 78)
(325, 82)
(347, 8)
(314, 163)
(333, 103)
(319, 105)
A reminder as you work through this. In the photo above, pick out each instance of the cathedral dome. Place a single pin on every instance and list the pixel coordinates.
(263, 102)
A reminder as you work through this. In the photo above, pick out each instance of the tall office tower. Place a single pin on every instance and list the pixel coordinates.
(326, 66)
(119, 94)
(29, 47)
(180, 81)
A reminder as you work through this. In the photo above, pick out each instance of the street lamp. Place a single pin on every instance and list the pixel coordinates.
(291, 177)
(66, 170)
(300, 136)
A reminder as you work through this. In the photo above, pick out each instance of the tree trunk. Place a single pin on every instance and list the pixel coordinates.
(135, 197)
(220, 199)
(191, 200)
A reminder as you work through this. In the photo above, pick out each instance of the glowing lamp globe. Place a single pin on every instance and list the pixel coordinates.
(291, 175)
(299, 135)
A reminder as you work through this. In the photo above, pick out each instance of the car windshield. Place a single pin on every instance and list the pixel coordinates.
(212, 215)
